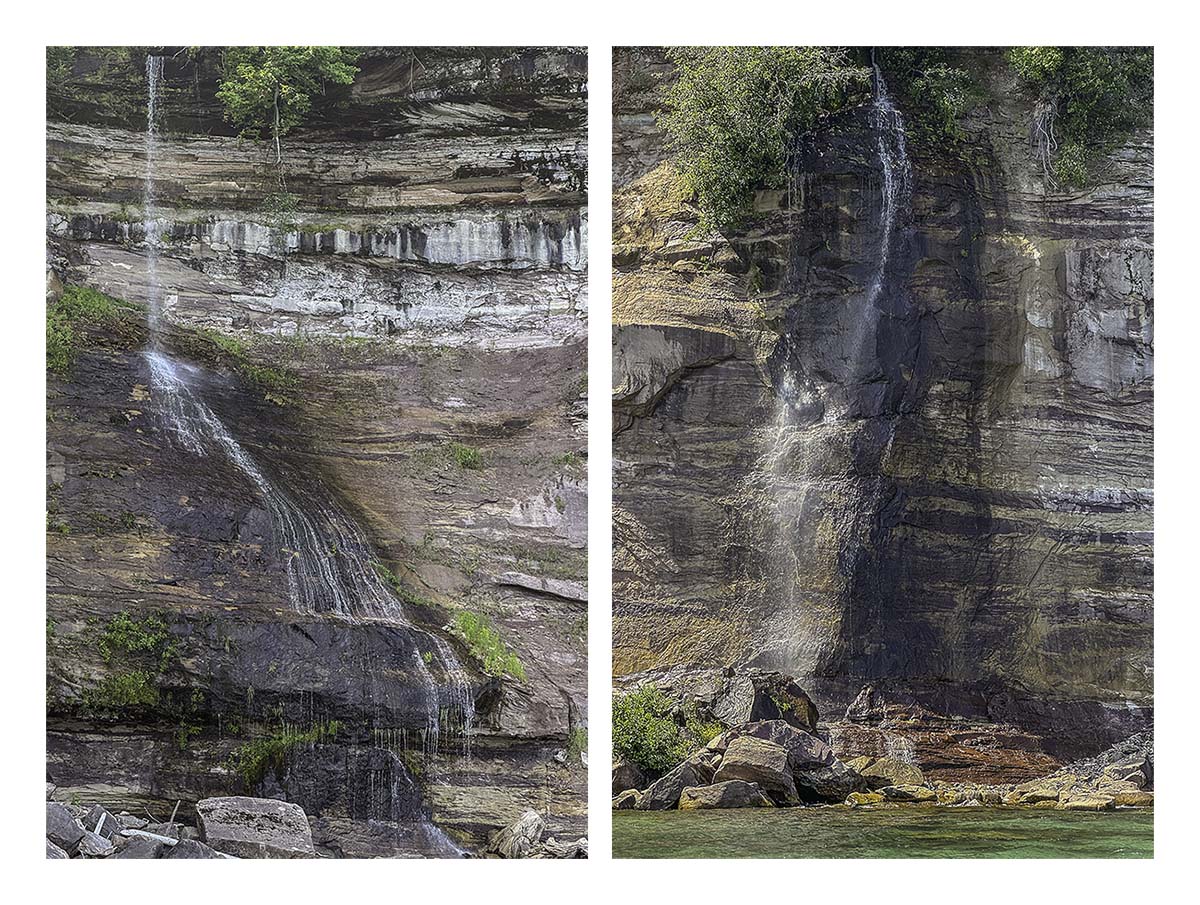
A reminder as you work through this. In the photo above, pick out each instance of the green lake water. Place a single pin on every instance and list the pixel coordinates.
(905, 832)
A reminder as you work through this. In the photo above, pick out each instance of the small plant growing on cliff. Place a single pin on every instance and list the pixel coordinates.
(251, 760)
(268, 90)
(72, 318)
(124, 635)
(734, 114)
(486, 646)
(467, 457)
(1087, 99)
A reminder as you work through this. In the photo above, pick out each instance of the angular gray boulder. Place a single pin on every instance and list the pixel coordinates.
(759, 761)
(733, 793)
(663, 795)
(62, 829)
(805, 750)
(53, 851)
(190, 848)
(255, 827)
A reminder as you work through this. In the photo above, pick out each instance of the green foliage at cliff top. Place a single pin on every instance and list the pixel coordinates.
(486, 646)
(71, 319)
(933, 92)
(268, 90)
(734, 113)
(647, 731)
(1089, 99)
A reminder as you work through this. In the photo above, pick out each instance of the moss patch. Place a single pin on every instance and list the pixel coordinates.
(76, 321)
(486, 646)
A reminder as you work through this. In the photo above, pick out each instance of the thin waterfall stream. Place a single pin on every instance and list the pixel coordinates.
(331, 567)
(792, 444)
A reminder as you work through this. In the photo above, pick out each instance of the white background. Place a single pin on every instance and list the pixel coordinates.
(30, 27)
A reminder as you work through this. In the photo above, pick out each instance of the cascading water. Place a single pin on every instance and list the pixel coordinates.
(331, 569)
(791, 476)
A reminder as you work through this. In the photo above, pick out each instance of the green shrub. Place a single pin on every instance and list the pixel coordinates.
(934, 92)
(734, 113)
(577, 744)
(467, 457)
(251, 760)
(144, 639)
(70, 318)
(486, 646)
(1088, 100)
(647, 730)
(136, 688)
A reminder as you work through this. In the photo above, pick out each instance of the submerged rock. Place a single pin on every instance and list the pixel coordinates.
(255, 827)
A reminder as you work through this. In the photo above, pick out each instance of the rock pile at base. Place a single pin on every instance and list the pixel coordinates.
(234, 827)
(777, 763)
(525, 838)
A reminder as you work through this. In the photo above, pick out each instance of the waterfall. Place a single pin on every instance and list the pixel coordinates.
(331, 569)
(790, 478)
(150, 223)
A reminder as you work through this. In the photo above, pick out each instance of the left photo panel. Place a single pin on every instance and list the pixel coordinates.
(316, 440)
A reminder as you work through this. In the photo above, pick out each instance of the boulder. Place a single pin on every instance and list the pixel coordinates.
(628, 800)
(832, 783)
(855, 799)
(140, 847)
(1138, 799)
(733, 793)
(805, 750)
(758, 761)
(101, 822)
(907, 793)
(552, 848)
(62, 829)
(255, 827)
(520, 838)
(190, 848)
(50, 789)
(663, 795)
(626, 775)
(890, 771)
(54, 851)
(93, 845)
(1089, 803)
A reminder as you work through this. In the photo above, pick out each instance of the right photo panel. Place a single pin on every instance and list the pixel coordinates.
(883, 452)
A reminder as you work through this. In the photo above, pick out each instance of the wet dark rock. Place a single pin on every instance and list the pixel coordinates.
(626, 775)
(831, 783)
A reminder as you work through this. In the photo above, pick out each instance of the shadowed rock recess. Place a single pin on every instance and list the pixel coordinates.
(357, 433)
(944, 531)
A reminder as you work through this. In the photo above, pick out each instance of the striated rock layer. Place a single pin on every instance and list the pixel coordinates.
(957, 512)
(424, 294)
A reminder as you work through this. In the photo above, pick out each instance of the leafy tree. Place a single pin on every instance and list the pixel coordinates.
(734, 114)
(936, 92)
(268, 90)
(1087, 100)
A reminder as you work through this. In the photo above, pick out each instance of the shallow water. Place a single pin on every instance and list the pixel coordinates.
(906, 832)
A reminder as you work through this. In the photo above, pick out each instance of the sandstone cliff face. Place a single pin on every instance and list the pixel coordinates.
(426, 288)
(955, 517)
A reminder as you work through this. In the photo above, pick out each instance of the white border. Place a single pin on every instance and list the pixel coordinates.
(600, 25)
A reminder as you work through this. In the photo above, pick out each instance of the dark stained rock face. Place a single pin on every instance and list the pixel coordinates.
(943, 491)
